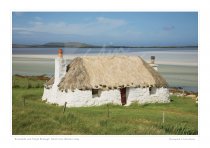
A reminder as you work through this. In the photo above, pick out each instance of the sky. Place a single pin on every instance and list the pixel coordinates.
(106, 28)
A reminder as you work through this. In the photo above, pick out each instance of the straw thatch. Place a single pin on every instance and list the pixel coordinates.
(110, 72)
(49, 83)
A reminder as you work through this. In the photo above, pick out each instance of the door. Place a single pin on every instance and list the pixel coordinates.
(123, 95)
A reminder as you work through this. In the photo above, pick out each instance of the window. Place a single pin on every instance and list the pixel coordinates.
(96, 93)
(152, 90)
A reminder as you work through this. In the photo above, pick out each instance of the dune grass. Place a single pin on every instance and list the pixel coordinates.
(31, 116)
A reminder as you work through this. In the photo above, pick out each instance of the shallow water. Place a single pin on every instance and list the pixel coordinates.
(181, 76)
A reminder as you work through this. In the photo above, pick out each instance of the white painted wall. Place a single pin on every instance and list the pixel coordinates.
(142, 95)
(80, 98)
(50, 95)
(60, 70)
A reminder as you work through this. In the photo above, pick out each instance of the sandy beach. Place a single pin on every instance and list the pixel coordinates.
(162, 57)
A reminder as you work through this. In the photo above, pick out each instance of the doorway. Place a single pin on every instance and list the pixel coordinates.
(123, 95)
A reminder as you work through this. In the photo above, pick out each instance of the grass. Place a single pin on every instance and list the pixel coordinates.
(31, 116)
(28, 81)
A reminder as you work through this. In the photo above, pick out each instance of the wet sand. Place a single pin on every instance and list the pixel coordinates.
(162, 57)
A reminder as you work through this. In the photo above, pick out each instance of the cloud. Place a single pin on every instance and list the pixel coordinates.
(36, 23)
(168, 28)
(23, 32)
(112, 22)
(18, 13)
(37, 18)
(96, 26)
(102, 29)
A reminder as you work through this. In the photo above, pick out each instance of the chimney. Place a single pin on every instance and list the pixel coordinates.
(152, 59)
(152, 63)
(60, 67)
(60, 53)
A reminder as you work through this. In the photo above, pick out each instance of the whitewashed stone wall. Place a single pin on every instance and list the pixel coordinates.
(109, 96)
(80, 98)
(142, 95)
(49, 95)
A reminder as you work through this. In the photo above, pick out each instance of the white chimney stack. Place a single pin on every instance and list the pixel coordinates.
(152, 63)
(60, 67)
(152, 59)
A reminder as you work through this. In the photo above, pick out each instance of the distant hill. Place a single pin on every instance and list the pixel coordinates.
(56, 45)
(21, 46)
(84, 45)
(68, 44)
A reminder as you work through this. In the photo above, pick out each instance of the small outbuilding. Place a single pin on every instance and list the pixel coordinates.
(98, 80)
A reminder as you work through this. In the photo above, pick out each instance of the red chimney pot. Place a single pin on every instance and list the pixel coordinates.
(60, 53)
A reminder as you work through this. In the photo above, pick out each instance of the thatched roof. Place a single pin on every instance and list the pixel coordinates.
(50, 82)
(110, 72)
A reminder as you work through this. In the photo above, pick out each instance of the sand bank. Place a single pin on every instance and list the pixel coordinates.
(161, 58)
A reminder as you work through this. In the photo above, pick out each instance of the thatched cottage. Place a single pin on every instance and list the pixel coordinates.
(97, 80)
